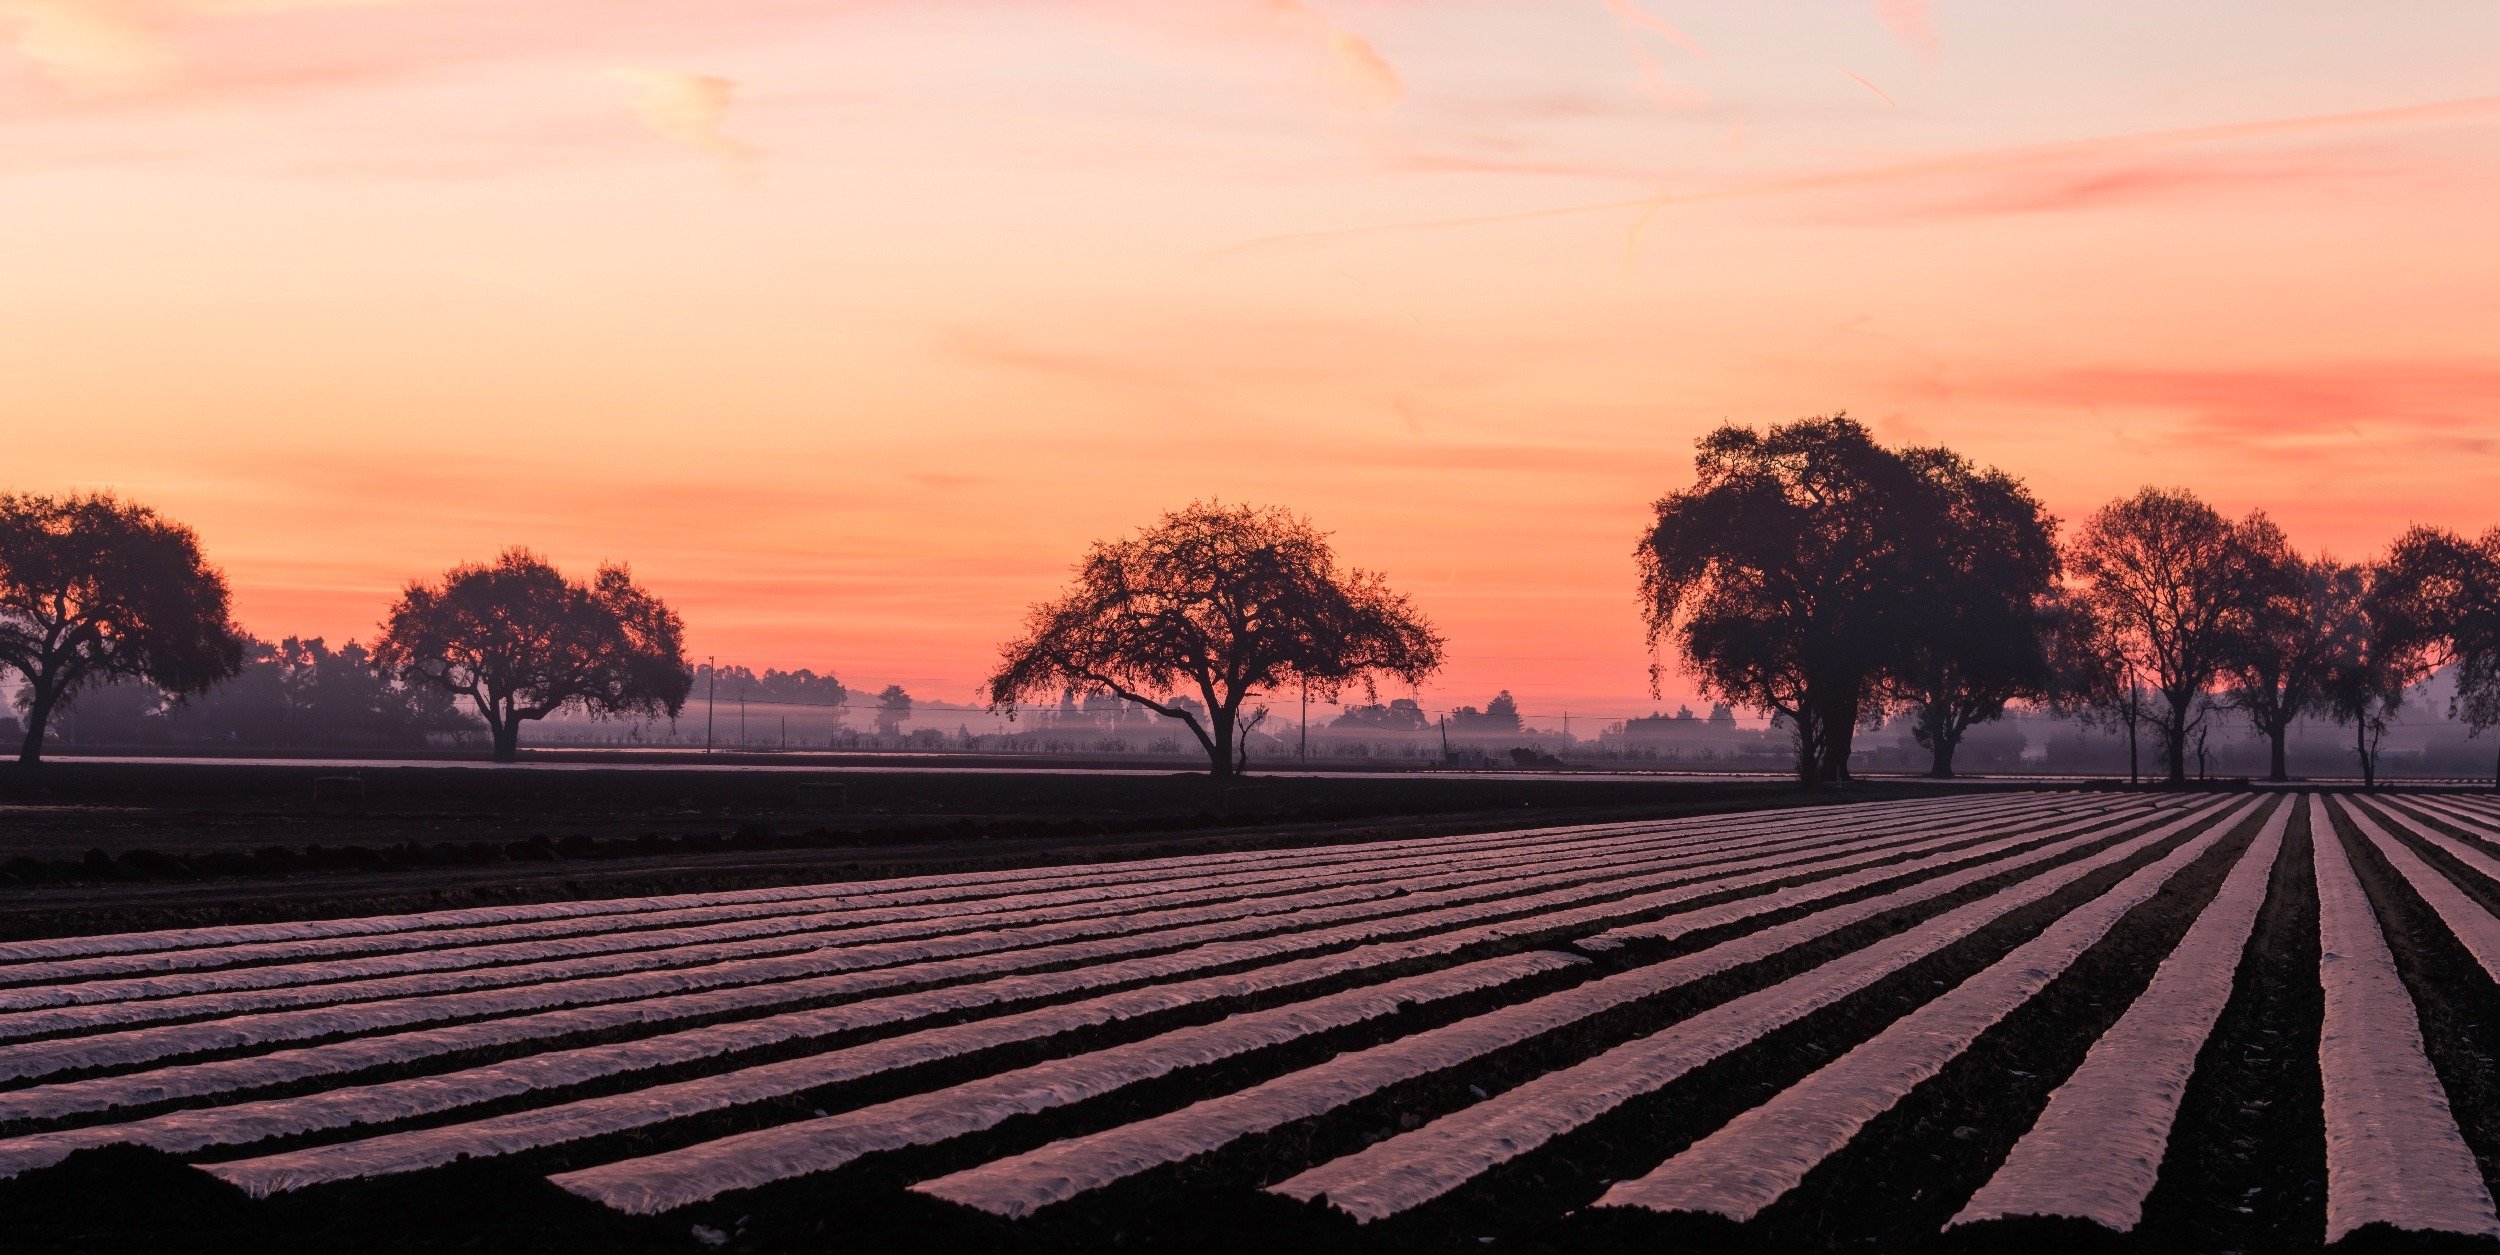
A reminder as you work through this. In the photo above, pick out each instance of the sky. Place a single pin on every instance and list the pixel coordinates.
(849, 324)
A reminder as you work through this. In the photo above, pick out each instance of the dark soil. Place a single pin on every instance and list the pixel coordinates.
(2245, 1169)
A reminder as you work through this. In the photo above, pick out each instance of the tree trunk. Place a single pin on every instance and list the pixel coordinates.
(1809, 754)
(1220, 742)
(2175, 734)
(2361, 750)
(1836, 753)
(2135, 770)
(1942, 747)
(38, 716)
(1840, 725)
(507, 738)
(38, 713)
(2275, 769)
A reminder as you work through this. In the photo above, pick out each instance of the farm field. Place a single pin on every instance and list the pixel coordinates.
(2201, 1022)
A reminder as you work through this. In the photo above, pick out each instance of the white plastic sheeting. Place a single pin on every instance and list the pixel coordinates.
(385, 1102)
(840, 910)
(1018, 1185)
(2393, 1152)
(1171, 927)
(281, 1067)
(2096, 1150)
(672, 1179)
(1764, 1153)
(880, 892)
(1690, 922)
(1417, 1167)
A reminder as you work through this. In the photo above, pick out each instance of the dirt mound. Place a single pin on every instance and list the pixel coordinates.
(123, 1198)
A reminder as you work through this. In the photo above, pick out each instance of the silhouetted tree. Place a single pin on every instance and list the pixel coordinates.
(302, 692)
(2092, 677)
(2168, 578)
(893, 707)
(93, 588)
(1231, 601)
(1782, 579)
(1402, 714)
(1499, 716)
(522, 642)
(2440, 594)
(1973, 641)
(2278, 663)
(2372, 660)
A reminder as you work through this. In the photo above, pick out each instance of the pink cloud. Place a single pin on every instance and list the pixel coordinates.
(1355, 65)
(2322, 411)
(1913, 22)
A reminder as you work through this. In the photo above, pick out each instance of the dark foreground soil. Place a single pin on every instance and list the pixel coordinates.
(2245, 1169)
(2244, 1173)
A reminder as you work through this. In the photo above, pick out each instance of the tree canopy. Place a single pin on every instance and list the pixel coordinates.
(893, 708)
(93, 588)
(2277, 668)
(1973, 639)
(2169, 579)
(1227, 603)
(2439, 593)
(2372, 658)
(522, 642)
(1812, 574)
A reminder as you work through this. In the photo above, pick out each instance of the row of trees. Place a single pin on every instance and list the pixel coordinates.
(294, 692)
(1814, 575)
(95, 590)
(1810, 574)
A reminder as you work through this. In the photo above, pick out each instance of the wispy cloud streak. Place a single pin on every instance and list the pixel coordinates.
(1356, 65)
(1636, 20)
(1981, 162)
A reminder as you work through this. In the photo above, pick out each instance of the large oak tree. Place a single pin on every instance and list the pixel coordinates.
(1227, 603)
(1974, 638)
(522, 642)
(1784, 576)
(92, 589)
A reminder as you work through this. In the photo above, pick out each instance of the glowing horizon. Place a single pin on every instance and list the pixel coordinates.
(849, 326)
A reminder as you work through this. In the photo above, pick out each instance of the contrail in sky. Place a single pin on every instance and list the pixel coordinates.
(1886, 97)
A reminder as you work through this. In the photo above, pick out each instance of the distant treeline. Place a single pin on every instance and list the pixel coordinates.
(298, 692)
(1809, 575)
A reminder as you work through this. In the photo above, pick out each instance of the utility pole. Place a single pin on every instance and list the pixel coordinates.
(1306, 721)
(1445, 738)
(711, 699)
(742, 718)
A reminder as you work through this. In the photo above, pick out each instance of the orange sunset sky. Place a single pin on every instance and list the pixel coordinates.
(849, 324)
